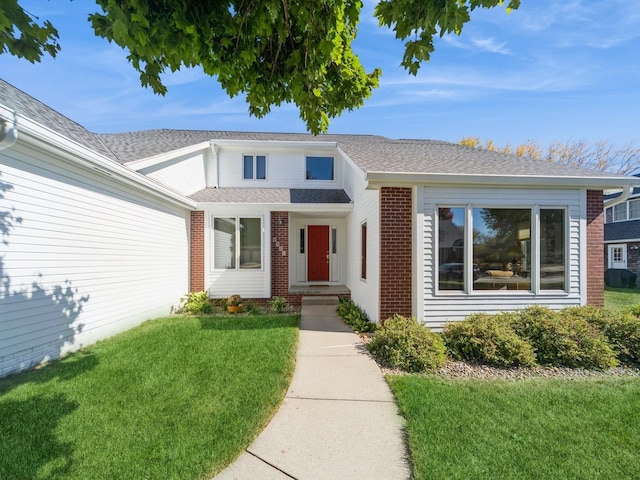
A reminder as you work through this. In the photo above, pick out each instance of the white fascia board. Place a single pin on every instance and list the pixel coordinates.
(45, 139)
(287, 144)
(328, 208)
(163, 157)
(623, 240)
(377, 179)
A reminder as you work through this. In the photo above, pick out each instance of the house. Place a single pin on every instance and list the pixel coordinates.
(622, 230)
(101, 232)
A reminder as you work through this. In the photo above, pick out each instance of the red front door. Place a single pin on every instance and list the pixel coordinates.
(318, 253)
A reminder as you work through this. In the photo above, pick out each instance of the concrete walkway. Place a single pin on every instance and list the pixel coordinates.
(338, 419)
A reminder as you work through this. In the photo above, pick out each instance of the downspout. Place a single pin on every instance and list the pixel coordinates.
(212, 171)
(626, 193)
(8, 134)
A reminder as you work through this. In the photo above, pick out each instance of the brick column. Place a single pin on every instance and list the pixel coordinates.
(595, 242)
(396, 218)
(280, 254)
(196, 252)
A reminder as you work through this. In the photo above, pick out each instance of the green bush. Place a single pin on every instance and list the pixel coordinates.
(622, 329)
(279, 304)
(195, 303)
(564, 339)
(488, 339)
(404, 343)
(354, 316)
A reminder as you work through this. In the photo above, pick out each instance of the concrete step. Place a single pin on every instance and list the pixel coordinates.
(320, 300)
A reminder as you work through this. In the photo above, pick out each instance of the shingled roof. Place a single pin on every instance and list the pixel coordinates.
(370, 152)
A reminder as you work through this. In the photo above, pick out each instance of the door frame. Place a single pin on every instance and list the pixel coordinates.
(610, 254)
(298, 265)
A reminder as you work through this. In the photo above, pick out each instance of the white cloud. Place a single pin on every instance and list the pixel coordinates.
(490, 45)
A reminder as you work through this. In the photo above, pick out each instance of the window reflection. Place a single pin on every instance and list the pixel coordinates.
(502, 248)
(451, 248)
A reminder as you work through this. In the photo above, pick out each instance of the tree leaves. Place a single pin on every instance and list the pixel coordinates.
(21, 34)
(274, 51)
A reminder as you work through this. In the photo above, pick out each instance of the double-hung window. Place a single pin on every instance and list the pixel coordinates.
(254, 167)
(506, 249)
(237, 243)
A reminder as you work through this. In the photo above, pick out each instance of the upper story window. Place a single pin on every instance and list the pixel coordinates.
(629, 210)
(254, 167)
(320, 168)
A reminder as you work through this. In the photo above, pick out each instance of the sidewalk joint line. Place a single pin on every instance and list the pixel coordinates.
(341, 399)
(271, 465)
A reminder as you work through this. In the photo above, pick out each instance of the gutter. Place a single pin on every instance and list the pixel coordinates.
(52, 142)
(377, 179)
(8, 134)
(626, 193)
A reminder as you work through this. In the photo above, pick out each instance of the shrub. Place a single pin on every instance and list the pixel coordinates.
(279, 304)
(354, 316)
(488, 339)
(251, 308)
(563, 339)
(195, 303)
(622, 329)
(404, 343)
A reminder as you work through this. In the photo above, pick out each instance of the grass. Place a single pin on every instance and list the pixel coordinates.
(620, 298)
(535, 429)
(176, 398)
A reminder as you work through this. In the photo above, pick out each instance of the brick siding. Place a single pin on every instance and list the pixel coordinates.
(280, 255)
(196, 252)
(595, 241)
(396, 216)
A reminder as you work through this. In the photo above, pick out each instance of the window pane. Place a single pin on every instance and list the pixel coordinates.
(302, 240)
(363, 251)
(552, 249)
(224, 243)
(502, 249)
(334, 240)
(634, 209)
(250, 243)
(620, 212)
(319, 168)
(261, 167)
(451, 248)
(248, 167)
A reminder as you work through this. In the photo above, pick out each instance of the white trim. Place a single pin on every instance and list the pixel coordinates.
(625, 256)
(623, 240)
(273, 144)
(377, 179)
(51, 142)
(582, 265)
(164, 156)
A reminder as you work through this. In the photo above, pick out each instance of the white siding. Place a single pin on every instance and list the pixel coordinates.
(82, 258)
(285, 169)
(437, 309)
(185, 174)
(250, 283)
(365, 292)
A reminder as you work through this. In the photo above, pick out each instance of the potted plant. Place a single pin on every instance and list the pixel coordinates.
(234, 303)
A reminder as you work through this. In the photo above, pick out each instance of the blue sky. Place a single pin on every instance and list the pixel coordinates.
(551, 71)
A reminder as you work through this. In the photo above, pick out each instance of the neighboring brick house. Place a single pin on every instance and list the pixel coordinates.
(622, 230)
(103, 231)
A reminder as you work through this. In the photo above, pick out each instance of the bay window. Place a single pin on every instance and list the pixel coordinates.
(501, 249)
(237, 243)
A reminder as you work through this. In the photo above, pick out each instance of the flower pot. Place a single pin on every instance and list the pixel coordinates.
(234, 308)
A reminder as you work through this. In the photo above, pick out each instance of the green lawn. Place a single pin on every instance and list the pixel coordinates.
(620, 298)
(176, 398)
(534, 429)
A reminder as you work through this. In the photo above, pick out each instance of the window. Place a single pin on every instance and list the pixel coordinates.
(302, 240)
(451, 248)
(334, 240)
(254, 167)
(237, 243)
(634, 209)
(363, 251)
(620, 212)
(489, 249)
(552, 249)
(320, 168)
